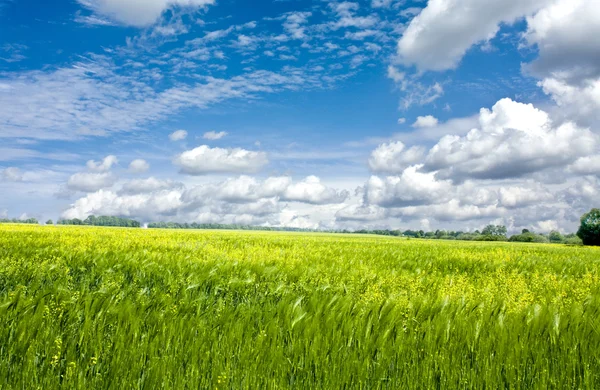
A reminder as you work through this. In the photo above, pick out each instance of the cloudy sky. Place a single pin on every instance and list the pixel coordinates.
(321, 114)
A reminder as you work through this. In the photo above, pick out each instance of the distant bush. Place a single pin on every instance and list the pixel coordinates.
(101, 221)
(573, 241)
(528, 237)
(29, 221)
(556, 237)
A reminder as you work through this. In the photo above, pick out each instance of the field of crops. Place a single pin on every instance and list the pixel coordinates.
(134, 308)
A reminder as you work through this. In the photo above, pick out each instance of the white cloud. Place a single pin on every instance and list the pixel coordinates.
(238, 200)
(401, 121)
(425, 121)
(441, 34)
(517, 197)
(569, 58)
(414, 91)
(243, 189)
(97, 98)
(138, 13)
(139, 166)
(449, 211)
(103, 166)
(502, 147)
(589, 165)
(295, 22)
(361, 213)
(11, 174)
(381, 3)
(213, 135)
(580, 101)
(150, 184)
(562, 32)
(105, 202)
(91, 182)
(411, 188)
(546, 226)
(346, 12)
(311, 190)
(178, 135)
(394, 157)
(14, 174)
(204, 159)
(394, 74)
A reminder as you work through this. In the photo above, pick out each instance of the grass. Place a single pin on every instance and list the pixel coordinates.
(99, 308)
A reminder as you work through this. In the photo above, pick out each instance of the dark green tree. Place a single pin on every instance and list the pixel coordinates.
(589, 230)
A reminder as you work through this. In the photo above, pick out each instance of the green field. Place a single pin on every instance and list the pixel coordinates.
(131, 308)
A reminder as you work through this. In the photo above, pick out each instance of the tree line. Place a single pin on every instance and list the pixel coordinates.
(588, 233)
(29, 221)
(101, 221)
(220, 226)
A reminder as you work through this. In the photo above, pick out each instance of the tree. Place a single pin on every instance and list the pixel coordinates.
(49, 222)
(555, 237)
(494, 230)
(589, 231)
(528, 237)
(525, 231)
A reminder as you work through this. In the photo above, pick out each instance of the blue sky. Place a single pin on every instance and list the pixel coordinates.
(326, 114)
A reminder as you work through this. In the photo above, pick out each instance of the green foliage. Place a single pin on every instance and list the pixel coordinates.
(529, 237)
(49, 222)
(573, 240)
(220, 226)
(101, 221)
(589, 231)
(130, 308)
(556, 237)
(28, 221)
(495, 232)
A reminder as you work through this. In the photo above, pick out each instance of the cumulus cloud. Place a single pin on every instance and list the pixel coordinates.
(569, 59)
(394, 157)
(589, 165)
(441, 34)
(91, 182)
(150, 184)
(97, 177)
(486, 173)
(138, 13)
(237, 200)
(204, 159)
(410, 188)
(11, 174)
(578, 101)
(139, 166)
(449, 211)
(102, 202)
(503, 145)
(213, 135)
(239, 190)
(562, 33)
(178, 135)
(311, 190)
(103, 166)
(425, 121)
(361, 213)
(517, 197)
